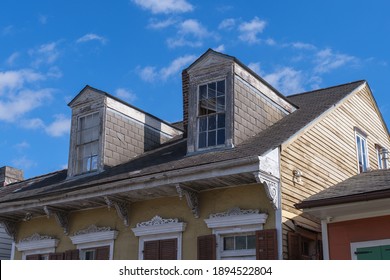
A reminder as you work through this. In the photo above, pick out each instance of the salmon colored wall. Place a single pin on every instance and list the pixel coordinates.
(126, 245)
(341, 234)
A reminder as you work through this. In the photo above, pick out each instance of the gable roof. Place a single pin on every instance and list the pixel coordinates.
(172, 155)
(362, 187)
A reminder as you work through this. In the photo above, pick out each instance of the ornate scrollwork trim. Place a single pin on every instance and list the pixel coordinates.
(192, 199)
(271, 187)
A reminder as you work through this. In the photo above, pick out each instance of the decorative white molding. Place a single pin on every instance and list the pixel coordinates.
(37, 242)
(191, 197)
(271, 186)
(158, 225)
(120, 207)
(236, 217)
(61, 217)
(93, 234)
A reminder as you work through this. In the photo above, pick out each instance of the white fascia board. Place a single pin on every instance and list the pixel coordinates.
(37, 244)
(159, 229)
(94, 236)
(239, 220)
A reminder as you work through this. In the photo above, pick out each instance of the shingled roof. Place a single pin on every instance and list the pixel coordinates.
(362, 187)
(172, 156)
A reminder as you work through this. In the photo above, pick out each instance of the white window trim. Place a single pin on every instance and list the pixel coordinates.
(159, 229)
(234, 221)
(364, 244)
(364, 136)
(93, 237)
(37, 244)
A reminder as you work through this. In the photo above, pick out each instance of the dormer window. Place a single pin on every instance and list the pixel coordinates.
(87, 143)
(211, 114)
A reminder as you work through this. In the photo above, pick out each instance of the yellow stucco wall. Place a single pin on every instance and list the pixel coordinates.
(126, 245)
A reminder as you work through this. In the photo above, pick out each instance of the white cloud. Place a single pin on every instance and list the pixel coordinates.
(91, 37)
(220, 48)
(165, 6)
(250, 30)
(16, 79)
(22, 146)
(34, 123)
(156, 24)
(60, 126)
(193, 27)
(255, 66)
(23, 163)
(152, 74)
(12, 58)
(287, 80)
(45, 54)
(183, 42)
(15, 106)
(303, 46)
(190, 33)
(176, 65)
(326, 60)
(125, 94)
(227, 24)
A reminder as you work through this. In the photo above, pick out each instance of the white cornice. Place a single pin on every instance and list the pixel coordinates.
(236, 218)
(93, 234)
(158, 225)
(36, 242)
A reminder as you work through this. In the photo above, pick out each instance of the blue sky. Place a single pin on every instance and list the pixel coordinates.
(136, 49)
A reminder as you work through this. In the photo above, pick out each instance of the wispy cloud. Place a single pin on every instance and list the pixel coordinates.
(7, 30)
(57, 128)
(42, 19)
(16, 79)
(45, 54)
(161, 24)
(22, 146)
(12, 58)
(165, 6)
(227, 24)
(91, 37)
(153, 74)
(190, 33)
(249, 30)
(327, 60)
(125, 94)
(287, 80)
(220, 48)
(255, 66)
(23, 163)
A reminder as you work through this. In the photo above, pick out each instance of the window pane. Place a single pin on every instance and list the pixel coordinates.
(202, 124)
(228, 243)
(211, 139)
(221, 104)
(240, 242)
(364, 155)
(251, 241)
(203, 92)
(221, 121)
(221, 88)
(221, 137)
(212, 90)
(202, 139)
(94, 163)
(212, 122)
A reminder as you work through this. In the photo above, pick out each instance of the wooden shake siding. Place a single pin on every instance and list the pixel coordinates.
(325, 153)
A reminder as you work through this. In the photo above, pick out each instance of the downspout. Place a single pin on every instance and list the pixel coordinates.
(278, 213)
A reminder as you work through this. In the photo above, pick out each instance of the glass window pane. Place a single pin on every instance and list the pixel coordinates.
(211, 141)
(202, 139)
(212, 122)
(221, 137)
(228, 243)
(202, 124)
(94, 163)
(221, 104)
(240, 242)
(364, 155)
(221, 88)
(251, 242)
(212, 90)
(221, 121)
(203, 92)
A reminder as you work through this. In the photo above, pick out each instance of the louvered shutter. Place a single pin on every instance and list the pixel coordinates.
(207, 247)
(56, 256)
(151, 250)
(168, 249)
(266, 245)
(294, 246)
(33, 257)
(72, 255)
(103, 253)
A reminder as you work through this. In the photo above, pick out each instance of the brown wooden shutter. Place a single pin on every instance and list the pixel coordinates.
(56, 256)
(207, 247)
(294, 246)
(72, 255)
(151, 250)
(168, 249)
(33, 257)
(266, 245)
(103, 253)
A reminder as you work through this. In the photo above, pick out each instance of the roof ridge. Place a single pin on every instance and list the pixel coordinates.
(326, 88)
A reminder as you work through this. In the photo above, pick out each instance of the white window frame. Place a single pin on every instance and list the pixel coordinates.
(94, 237)
(198, 116)
(363, 139)
(37, 244)
(159, 229)
(365, 244)
(235, 221)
